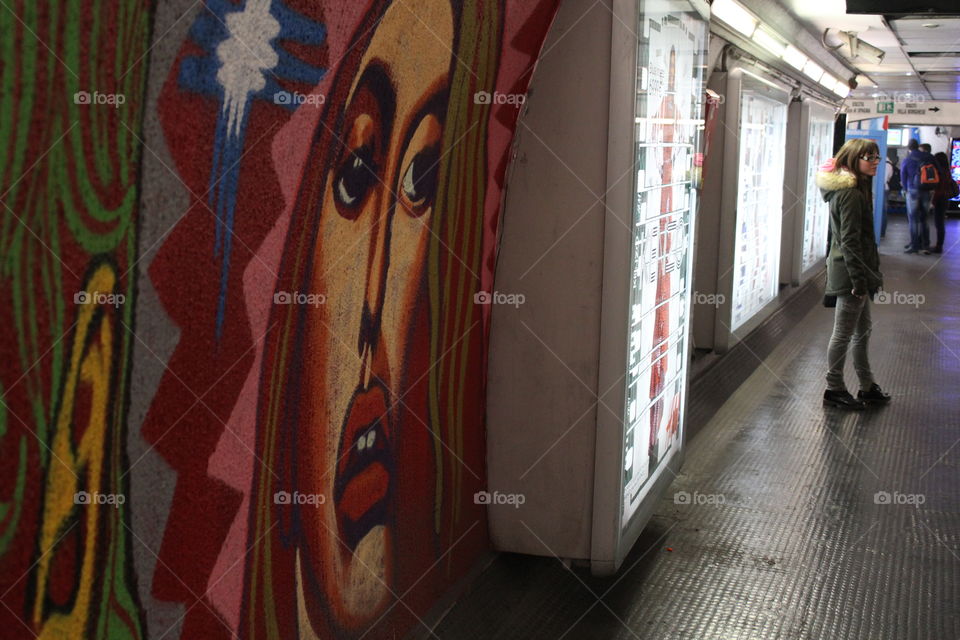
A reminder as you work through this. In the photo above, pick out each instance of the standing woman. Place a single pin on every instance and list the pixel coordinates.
(853, 268)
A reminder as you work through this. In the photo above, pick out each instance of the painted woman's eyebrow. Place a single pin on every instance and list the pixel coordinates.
(376, 81)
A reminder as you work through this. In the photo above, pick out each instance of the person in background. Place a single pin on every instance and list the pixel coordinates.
(853, 268)
(890, 169)
(931, 189)
(946, 189)
(918, 199)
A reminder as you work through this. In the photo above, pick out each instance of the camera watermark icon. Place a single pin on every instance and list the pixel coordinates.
(85, 497)
(485, 97)
(99, 298)
(897, 297)
(497, 297)
(297, 498)
(713, 299)
(886, 497)
(87, 98)
(296, 297)
(685, 497)
(496, 498)
(296, 98)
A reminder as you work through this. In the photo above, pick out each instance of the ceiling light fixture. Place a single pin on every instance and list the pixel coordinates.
(794, 57)
(813, 70)
(769, 42)
(734, 15)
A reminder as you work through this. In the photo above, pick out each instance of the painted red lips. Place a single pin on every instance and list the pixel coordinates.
(364, 466)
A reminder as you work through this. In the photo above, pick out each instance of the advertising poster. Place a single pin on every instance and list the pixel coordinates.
(668, 125)
(816, 212)
(763, 124)
(955, 160)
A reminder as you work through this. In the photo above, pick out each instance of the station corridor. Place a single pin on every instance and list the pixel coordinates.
(789, 520)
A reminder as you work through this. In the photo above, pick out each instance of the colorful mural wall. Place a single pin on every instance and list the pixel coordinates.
(243, 371)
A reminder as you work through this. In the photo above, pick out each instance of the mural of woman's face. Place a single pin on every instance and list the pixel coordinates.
(369, 262)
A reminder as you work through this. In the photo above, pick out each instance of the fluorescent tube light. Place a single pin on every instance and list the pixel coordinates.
(769, 42)
(734, 15)
(829, 81)
(813, 70)
(794, 57)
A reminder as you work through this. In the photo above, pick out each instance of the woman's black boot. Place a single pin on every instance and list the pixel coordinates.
(873, 395)
(842, 400)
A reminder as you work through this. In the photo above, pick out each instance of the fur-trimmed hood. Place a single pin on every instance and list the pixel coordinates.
(831, 181)
(836, 180)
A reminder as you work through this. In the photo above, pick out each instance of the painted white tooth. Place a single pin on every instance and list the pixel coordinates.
(371, 437)
(361, 443)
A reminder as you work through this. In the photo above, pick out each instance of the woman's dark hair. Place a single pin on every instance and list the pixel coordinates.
(941, 159)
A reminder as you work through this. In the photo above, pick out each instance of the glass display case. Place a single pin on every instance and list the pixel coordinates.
(586, 386)
(816, 211)
(762, 127)
(668, 124)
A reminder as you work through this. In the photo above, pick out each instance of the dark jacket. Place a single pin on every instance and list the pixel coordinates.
(853, 262)
(945, 188)
(910, 169)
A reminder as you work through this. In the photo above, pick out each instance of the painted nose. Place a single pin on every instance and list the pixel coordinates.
(378, 263)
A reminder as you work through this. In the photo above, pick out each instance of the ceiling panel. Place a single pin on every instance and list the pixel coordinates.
(946, 96)
(912, 29)
(942, 62)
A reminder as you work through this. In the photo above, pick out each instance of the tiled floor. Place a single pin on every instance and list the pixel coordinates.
(804, 544)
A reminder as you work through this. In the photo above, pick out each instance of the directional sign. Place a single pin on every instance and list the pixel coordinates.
(899, 112)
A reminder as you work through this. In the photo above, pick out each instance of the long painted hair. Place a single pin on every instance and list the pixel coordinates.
(454, 384)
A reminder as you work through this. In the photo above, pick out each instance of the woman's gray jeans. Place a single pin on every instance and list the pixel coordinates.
(851, 324)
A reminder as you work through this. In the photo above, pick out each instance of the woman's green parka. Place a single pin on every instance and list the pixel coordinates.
(853, 262)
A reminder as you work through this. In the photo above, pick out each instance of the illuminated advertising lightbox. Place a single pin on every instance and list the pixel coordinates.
(763, 126)
(668, 117)
(955, 161)
(816, 212)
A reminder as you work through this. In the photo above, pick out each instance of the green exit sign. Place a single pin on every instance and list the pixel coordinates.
(884, 107)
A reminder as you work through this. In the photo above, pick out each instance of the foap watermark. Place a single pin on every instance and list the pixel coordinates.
(95, 497)
(297, 297)
(685, 497)
(296, 98)
(712, 299)
(886, 497)
(87, 98)
(898, 297)
(905, 98)
(486, 497)
(99, 298)
(498, 297)
(297, 498)
(485, 97)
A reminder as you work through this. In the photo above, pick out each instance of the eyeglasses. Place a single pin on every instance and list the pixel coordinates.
(870, 158)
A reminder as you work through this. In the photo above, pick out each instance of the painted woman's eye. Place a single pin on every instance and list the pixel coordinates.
(419, 182)
(355, 178)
